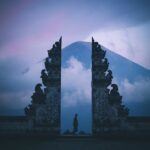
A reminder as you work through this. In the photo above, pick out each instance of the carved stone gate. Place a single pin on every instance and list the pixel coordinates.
(44, 111)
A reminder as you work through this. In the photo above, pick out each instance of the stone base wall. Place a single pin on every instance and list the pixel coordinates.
(13, 124)
(139, 126)
(22, 126)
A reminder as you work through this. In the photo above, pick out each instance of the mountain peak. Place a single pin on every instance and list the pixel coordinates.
(121, 66)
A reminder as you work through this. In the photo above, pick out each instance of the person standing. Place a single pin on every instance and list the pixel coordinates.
(75, 124)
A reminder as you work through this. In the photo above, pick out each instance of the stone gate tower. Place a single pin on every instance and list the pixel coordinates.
(44, 110)
(107, 109)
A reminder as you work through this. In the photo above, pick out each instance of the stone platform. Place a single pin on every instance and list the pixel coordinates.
(74, 143)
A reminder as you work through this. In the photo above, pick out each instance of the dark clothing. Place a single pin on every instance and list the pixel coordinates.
(75, 124)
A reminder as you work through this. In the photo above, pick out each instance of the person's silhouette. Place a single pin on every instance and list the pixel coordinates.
(75, 123)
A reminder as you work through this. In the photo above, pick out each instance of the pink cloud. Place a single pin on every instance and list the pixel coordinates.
(47, 32)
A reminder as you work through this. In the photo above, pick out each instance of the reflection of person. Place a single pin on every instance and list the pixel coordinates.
(75, 123)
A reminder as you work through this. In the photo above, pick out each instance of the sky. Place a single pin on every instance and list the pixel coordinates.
(28, 26)
(28, 29)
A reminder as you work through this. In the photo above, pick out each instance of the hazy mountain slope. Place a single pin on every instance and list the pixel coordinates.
(122, 67)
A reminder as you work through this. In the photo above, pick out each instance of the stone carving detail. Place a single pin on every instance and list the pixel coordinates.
(44, 109)
(107, 105)
(44, 77)
(38, 97)
(116, 100)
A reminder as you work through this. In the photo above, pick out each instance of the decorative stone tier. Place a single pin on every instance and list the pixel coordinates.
(44, 110)
(107, 109)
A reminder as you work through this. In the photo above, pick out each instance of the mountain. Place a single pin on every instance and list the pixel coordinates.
(122, 67)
